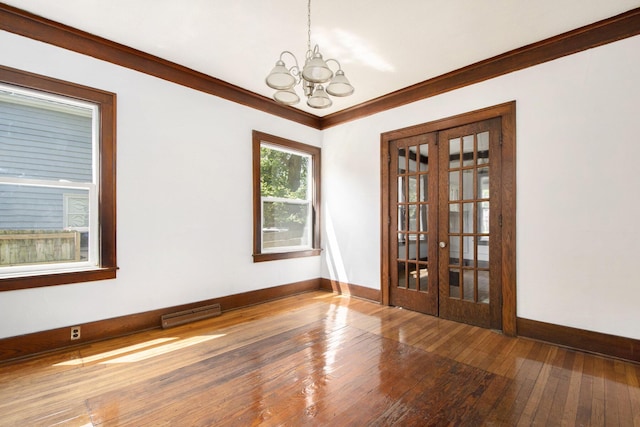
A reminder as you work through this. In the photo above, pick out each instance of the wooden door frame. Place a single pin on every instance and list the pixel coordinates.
(507, 112)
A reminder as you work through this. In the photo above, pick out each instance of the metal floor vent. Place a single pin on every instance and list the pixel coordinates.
(186, 316)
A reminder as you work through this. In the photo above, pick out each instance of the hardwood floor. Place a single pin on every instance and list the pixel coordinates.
(319, 359)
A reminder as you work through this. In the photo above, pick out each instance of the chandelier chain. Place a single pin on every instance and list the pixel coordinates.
(309, 25)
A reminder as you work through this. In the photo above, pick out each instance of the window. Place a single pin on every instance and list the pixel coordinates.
(286, 198)
(57, 182)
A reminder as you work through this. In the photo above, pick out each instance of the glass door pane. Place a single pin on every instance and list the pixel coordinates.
(468, 195)
(412, 172)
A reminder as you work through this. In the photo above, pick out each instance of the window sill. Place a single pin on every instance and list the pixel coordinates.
(38, 281)
(272, 256)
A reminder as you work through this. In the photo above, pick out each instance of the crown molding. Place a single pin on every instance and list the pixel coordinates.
(609, 30)
(597, 34)
(35, 27)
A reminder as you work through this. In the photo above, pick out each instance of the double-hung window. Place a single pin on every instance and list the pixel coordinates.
(286, 198)
(57, 182)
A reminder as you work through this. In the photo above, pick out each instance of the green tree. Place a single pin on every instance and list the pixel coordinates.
(283, 175)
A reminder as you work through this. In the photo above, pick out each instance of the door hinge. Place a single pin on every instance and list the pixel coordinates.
(388, 159)
(500, 220)
(500, 139)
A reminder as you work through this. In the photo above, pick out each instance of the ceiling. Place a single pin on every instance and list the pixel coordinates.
(383, 45)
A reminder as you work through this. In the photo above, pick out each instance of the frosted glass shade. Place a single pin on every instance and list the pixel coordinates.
(316, 70)
(340, 85)
(319, 99)
(287, 97)
(280, 78)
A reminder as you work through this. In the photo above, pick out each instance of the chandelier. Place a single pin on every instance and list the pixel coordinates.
(315, 73)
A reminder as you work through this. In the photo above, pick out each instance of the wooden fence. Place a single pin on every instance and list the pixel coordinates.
(38, 247)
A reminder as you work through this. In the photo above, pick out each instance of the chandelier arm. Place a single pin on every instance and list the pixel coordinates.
(295, 69)
(334, 60)
(311, 52)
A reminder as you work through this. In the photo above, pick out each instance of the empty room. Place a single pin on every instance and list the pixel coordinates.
(295, 212)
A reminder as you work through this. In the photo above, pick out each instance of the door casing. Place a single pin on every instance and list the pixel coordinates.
(507, 112)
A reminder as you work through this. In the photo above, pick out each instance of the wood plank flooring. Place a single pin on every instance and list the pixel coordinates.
(319, 359)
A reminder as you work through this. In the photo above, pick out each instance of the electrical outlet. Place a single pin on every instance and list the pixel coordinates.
(75, 332)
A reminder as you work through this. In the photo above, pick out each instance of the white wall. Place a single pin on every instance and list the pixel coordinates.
(184, 174)
(184, 198)
(578, 192)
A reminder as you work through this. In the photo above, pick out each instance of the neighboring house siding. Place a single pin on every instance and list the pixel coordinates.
(31, 208)
(33, 145)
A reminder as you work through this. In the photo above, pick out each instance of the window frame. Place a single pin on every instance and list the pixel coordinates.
(106, 102)
(288, 145)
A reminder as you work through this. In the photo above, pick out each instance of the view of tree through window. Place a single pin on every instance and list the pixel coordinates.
(286, 195)
(286, 201)
(283, 174)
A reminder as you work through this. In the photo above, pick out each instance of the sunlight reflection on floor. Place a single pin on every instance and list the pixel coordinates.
(135, 355)
(164, 349)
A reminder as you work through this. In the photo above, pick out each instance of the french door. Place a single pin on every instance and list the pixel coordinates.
(444, 219)
(413, 219)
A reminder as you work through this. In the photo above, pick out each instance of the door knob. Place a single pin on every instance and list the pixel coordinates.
(443, 245)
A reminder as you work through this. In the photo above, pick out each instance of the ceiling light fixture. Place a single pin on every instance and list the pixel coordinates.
(313, 75)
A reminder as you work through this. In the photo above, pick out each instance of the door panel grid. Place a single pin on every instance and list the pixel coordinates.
(468, 189)
(469, 205)
(413, 219)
